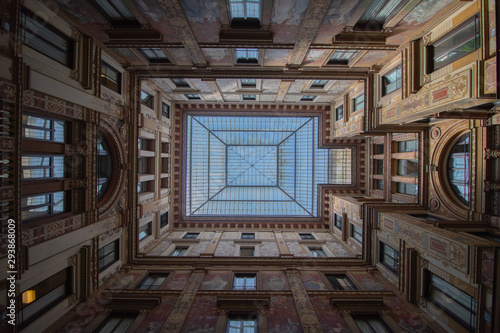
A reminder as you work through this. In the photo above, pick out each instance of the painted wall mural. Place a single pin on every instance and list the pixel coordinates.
(367, 281)
(312, 281)
(202, 317)
(330, 319)
(283, 316)
(155, 319)
(407, 319)
(178, 281)
(274, 280)
(215, 280)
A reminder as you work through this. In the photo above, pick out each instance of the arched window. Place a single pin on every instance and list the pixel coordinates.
(458, 168)
(104, 165)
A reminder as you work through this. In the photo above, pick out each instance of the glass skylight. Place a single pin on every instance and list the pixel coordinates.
(257, 166)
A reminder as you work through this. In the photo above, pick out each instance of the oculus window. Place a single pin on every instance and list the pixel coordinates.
(258, 166)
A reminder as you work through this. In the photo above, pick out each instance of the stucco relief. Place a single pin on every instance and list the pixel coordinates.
(225, 249)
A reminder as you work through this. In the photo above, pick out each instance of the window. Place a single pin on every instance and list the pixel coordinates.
(163, 220)
(147, 99)
(44, 38)
(408, 168)
(408, 189)
(307, 98)
(247, 56)
(245, 281)
(111, 78)
(458, 168)
(409, 145)
(191, 235)
(154, 55)
(391, 81)
(180, 83)
(42, 297)
(248, 235)
(337, 221)
(116, 323)
(340, 282)
(144, 231)
(306, 236)
(143, 165)
(43, 166)
(342, 57)
(460, 42)
(245, 13)
(378, 166)
(247, 251)
(165, 110)
(249, 97)
(378, 184)
(357, 233)
(108, 254)
(114, 11)
(359, 102)
(378, 149)
(43, 205)
(426, 217)
(42, 128)
(192, 96)
(143, 187)
(104, 165)
(371, 323)
(389, 257)
(319, 84)
(248, 83)
(339, 113)
(317, 252)
(236, 324)
(179, 251)
(152, 281)
(457, 304)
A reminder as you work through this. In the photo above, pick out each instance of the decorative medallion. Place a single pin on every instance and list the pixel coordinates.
(435, 133)
(434, 204)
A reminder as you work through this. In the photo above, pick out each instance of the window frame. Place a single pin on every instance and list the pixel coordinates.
(179, 251)
(247, 235)
(191, 235)
(244, 286)
(245, 21)
(357, 101)
(342, 59)
(339, 113)
(451, 171)
(144, 231)
(356, 233)
(308, 98)
(336, 283)
(317, 252)
(404, 188)
(306, 236)
(338, 220)
(122, 316)
(51, 167)
(247, 248)
(386, 258)
(147, 99)
(52, 129)
(396, 84)
(114, 252)
(153, 277)
(371, 316)
(192, 97)
(407, 145)
(163, 220)
(123, 20)
(107, 81)
(50, 203)
(148, 52)
(248, 58)
(242, 328)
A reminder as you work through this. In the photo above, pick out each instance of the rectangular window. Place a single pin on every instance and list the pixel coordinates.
(319, 84)
(247, 251)
(143, 187)
(307, 98)
(408, 168)
(42, 297)
(408, 189)
(143, 165)
(109, 254)
(179, 251)
(456, 44)
(42, 128)
(340, 282)
(247, 56)
(42, 205)
(154, 55)
(165, 110)
(111, 78)
(457, 304)
(249, 97)
(342, 57)
(191, 235)
(163, 220)
(44, 38)
(357, 233)
(237, 324)
(180, 83)
(245, 281)
(248, 235)
(192, 96)
(378, 149)
(409, 145)
(42, 166)
(152, 281)
(338, 221)
(147, 99)
(391, 81)
(245, 11)
(378, 184)
(378, 166)
(359, 102)
(371, 323)
(389, 257)
(116, 323)
(427, 217)
(114, 10)
(248, 83)
(339, 113)
(144, 144)
(317, 252)
(306, 236)
(144, 231)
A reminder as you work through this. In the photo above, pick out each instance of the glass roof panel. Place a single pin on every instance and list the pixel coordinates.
(256, 166)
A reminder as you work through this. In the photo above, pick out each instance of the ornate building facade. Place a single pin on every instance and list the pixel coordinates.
(249, 166)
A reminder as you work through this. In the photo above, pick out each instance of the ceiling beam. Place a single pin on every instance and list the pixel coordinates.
(401, 14)
(180, 24)
(314, 17)
(357, 14)
(212, 85)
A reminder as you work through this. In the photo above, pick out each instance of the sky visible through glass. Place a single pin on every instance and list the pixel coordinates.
(256, 166)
